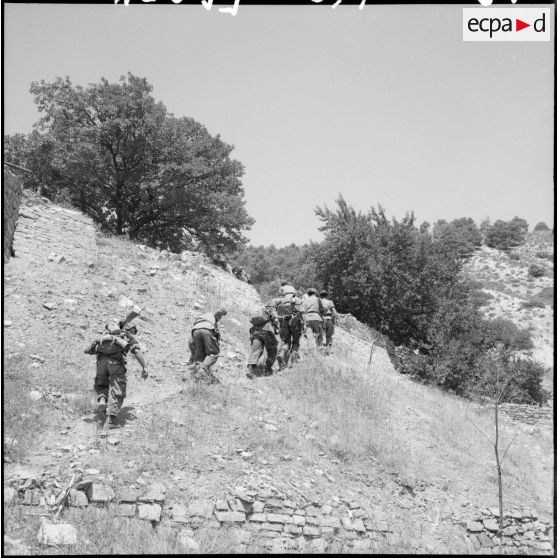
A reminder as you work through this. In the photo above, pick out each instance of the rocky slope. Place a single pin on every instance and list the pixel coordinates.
(333, 455)
(513, 293)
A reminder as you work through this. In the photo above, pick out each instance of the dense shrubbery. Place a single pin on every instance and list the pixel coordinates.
(266, 266)
(461, 235)
(506, 235)
(406, 284)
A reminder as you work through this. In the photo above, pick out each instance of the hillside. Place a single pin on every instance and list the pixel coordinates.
(511, 292)
(334, 455)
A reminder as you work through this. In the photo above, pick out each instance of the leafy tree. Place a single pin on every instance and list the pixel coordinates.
(138, 170)
(385, 272)
(541, 226)
(506, 235)
(461, 235)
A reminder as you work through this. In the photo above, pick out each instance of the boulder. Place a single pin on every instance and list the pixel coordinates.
(52, 534)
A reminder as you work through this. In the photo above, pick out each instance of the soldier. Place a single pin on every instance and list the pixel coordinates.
(110, 380)
(286, 288)
(312, 315)
(204, 345)
(290, 327)
(330, 320)
(262, 334)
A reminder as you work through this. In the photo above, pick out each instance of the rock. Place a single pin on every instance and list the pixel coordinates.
(299, 520)
(77, 499)
(179, 513)
(113, 440)
(56, 534)
(155, 493)
(258, 507)
(229, 517)
(358, 526)
(258, 517)
(90, 264)
(310, 531)
(99, 493)
(49, 305)
(149, 512)
(474, 526)
(490, 525)
(201, 508)
(278, 518)
(92, 471)
(333, 522)
(60, 259)
(510, 531)
(32, 497)
(221, 505)
(485, 540)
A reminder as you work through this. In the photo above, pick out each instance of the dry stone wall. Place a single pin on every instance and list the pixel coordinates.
(11, 196)
(522, 529)
(528, 414)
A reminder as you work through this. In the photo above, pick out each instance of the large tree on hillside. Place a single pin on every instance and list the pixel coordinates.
(138, 170)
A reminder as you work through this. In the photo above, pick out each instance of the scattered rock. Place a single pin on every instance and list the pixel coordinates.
(56, 534)
(99, 493)
(49, 305)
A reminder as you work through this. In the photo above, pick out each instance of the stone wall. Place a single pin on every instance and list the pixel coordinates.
(12, 189)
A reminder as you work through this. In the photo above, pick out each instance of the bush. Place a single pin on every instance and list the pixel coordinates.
(541, 226)
(536, 271)
(480, 298)
(545, 256)
(514, 256)
(506, 235)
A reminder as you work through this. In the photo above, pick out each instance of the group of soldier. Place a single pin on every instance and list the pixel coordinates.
(289, 316)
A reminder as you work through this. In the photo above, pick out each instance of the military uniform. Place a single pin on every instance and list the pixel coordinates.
(263, 336)
(312, 310)
(110, 378)
(290, 327)
(329, 315)
(204, 343)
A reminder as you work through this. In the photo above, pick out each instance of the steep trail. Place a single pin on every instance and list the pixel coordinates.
(274, 437)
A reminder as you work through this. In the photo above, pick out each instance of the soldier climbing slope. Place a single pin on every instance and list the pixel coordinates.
(290, 327)
(312, 315)
(330, 320)
(110, 380)
(262, 334)
(204, 345)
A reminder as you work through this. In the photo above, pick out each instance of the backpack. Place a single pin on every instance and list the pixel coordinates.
(259, 319)
(286, 308)
(111, 346)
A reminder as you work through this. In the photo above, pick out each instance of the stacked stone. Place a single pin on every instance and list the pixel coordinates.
(522, 528)
(47, 231)
(11, 195)
(529, 414)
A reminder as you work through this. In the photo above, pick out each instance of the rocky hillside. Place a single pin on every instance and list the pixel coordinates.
(519, 286)
(334, 455)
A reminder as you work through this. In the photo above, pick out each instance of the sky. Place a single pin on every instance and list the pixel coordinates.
(385, 105)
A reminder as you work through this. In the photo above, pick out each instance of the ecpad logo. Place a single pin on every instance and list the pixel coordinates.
(506, 24)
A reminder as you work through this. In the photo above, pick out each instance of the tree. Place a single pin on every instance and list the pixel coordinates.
(387, 273)
(138, 170)
(461, 235)
(506, 235)
(541, 226)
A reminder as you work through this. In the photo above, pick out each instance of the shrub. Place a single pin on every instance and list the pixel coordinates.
(529, 304)
(480, 298)
(536, 271)
(541, 226)
(506, 235)
(545, 256)
(514, 256)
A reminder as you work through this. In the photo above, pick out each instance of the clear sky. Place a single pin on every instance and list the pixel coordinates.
(384, 105)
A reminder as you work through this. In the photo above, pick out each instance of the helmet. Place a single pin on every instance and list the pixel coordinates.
(323, 293)
(311, 290)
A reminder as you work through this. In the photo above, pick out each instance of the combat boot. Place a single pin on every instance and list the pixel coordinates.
(250, 373)
(111, 422)
(280, 362)
(102, 405)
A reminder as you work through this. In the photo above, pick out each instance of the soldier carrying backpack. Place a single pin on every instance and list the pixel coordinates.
(262, 334)
(290, 327)
(110, 380)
